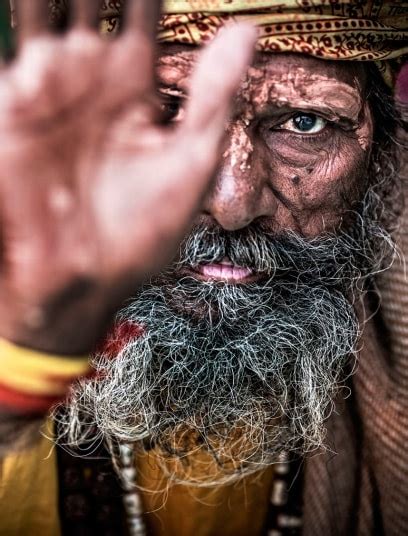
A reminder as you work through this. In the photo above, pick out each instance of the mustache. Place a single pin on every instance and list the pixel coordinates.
(330, 258)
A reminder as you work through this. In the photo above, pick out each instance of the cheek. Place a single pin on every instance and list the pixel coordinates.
(314, 182)
(319, 177)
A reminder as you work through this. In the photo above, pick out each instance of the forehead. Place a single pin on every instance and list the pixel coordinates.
(292, 80)
(184, 58)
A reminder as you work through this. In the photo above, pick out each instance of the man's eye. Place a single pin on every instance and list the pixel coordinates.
(302, 123)
(173, 110)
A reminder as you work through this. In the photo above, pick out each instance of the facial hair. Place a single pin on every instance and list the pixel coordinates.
(243, 371)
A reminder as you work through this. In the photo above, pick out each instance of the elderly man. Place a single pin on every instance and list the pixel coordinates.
(234, 364)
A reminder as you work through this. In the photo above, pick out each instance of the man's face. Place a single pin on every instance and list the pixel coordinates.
(297, 144)
(247, 334)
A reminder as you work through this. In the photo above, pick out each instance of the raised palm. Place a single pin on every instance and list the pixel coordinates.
(95, 192)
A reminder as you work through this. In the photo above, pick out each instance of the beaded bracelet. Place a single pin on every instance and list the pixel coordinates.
(32, 381)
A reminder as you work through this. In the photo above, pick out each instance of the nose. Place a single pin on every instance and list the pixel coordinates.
(240, 193)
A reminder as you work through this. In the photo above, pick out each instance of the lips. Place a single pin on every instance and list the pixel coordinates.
(224, 271)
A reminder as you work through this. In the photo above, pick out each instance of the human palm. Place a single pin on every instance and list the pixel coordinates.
(95, 190)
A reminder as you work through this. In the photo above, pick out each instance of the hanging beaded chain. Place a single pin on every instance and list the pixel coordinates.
(284, 517)
(131, 498)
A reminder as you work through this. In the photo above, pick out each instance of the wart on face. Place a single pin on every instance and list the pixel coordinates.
(297, 145)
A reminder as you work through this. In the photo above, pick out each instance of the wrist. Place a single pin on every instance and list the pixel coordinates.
(32, 381)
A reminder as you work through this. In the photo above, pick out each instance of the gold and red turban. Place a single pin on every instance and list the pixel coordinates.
(362, 30)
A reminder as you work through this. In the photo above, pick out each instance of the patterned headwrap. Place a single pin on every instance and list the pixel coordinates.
(363, 30)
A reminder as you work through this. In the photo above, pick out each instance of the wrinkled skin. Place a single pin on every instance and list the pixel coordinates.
(289, 180)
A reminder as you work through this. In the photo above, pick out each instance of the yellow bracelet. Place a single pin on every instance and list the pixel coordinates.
(37, 373)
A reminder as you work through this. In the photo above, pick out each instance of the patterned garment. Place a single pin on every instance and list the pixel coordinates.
(90, 495)
(363, 30)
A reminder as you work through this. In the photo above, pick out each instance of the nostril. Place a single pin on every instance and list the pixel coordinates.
(206, 219)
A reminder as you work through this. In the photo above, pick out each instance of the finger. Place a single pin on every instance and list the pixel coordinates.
(142, 17)
(139, 38)
(217, 76)
(32, 18)
(86, 13)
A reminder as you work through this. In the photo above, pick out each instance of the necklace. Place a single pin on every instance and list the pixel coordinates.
(132, 500)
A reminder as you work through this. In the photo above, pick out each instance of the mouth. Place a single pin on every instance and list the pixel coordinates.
(224, 271)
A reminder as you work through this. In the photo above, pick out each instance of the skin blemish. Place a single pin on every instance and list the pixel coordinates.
(296, 180)
(240, 149)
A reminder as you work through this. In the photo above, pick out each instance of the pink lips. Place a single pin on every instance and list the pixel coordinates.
(224, 271)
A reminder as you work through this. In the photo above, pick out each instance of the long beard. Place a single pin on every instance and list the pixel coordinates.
(240, 371)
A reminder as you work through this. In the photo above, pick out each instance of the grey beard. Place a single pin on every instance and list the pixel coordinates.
(243, 371)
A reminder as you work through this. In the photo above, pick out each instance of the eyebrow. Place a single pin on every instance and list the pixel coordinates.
(334, 99)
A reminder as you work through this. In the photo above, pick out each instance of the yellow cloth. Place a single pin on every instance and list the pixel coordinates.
(368, 30)
(29, 492)
(340, 30)
(336, 30)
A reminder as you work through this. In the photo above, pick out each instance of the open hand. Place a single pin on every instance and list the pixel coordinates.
(95, 191)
